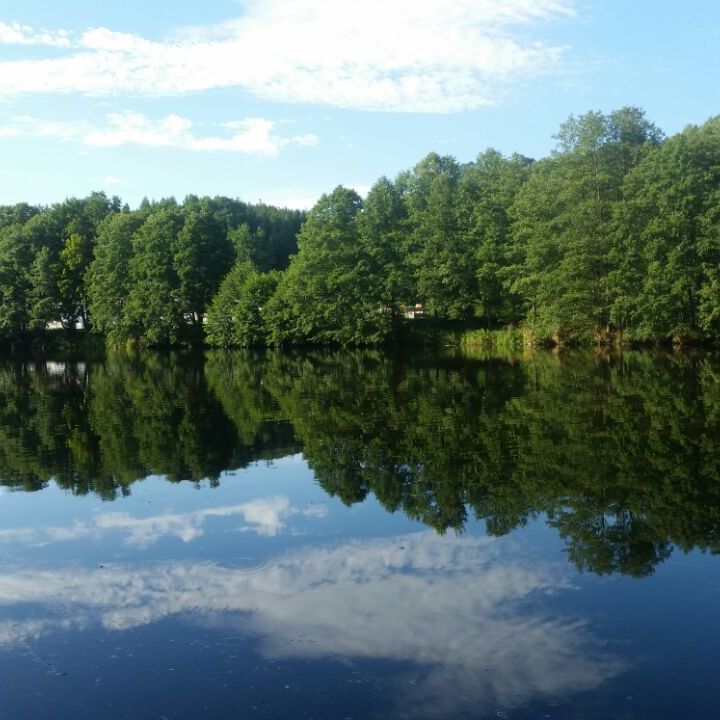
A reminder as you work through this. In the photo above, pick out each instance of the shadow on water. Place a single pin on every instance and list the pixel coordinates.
(619, 453)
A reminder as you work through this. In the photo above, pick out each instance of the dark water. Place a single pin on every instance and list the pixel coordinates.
(356, 535)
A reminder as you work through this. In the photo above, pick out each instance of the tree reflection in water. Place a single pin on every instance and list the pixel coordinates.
(620, 454)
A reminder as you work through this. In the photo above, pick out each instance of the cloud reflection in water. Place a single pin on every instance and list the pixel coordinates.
(266, 517)
(465, 615)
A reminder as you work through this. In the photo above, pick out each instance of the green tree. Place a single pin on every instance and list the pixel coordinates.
(108, 277)
(42, 294)
(487, 190)
(80, 219)
(201, 257)
(15, 259)
(72, 266)
(383, 231)
(443, 263)
(153, 312)
(250, 311)
(669, 231)
(709, 250)
(329, 294)
(237, 314)
(221, 320)
(566, 245)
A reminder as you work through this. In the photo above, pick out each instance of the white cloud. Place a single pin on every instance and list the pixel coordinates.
(252, 136)
(305, 201)
(451, 607)
(407, 55)
(307, 140)
(297, 201)
(17, 34)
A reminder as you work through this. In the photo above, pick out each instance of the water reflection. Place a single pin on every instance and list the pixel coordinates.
(620, 455)
(100, 428)
(462, 620)
(265, 516)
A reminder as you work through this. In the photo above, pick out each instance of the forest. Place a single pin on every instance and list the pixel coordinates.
(612, 238)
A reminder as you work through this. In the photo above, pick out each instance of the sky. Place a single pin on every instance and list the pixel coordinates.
(281, 100)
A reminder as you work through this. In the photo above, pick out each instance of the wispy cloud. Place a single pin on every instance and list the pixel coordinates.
(408, 55)
(17, 34)
(252, 136)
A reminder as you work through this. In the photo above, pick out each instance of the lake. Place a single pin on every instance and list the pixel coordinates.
(339, 535)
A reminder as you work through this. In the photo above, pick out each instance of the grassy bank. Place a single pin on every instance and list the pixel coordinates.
(461, 333)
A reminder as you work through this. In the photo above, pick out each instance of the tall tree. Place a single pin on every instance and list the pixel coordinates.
(15, 259)
(669, 231)
(154, 313)
(328, 294)
(80, 219)
(201, 257)
(108, 277)
(42, 295)
(487, 190)
(383, 231)
(237, 313)
(564, 233)
(443, 263)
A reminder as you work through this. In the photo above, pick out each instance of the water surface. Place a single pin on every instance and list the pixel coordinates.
(360, 535)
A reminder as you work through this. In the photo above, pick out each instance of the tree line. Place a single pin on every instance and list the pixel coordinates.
(613, 237)
(146, 274)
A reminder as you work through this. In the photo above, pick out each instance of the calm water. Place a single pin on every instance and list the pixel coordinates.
(355, 535)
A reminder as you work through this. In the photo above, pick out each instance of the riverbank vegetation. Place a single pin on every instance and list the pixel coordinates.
(615, 237)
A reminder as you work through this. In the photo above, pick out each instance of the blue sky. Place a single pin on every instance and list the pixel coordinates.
(281, 100)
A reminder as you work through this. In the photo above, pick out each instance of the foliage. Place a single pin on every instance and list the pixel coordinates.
(442, 262)
(564, 236)
(670, 238)
(329, 295)
(15, 258)
(79, 263)
(154, 313)
(487, 189)
(236, 317)
(108, 277)
(202, 255)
